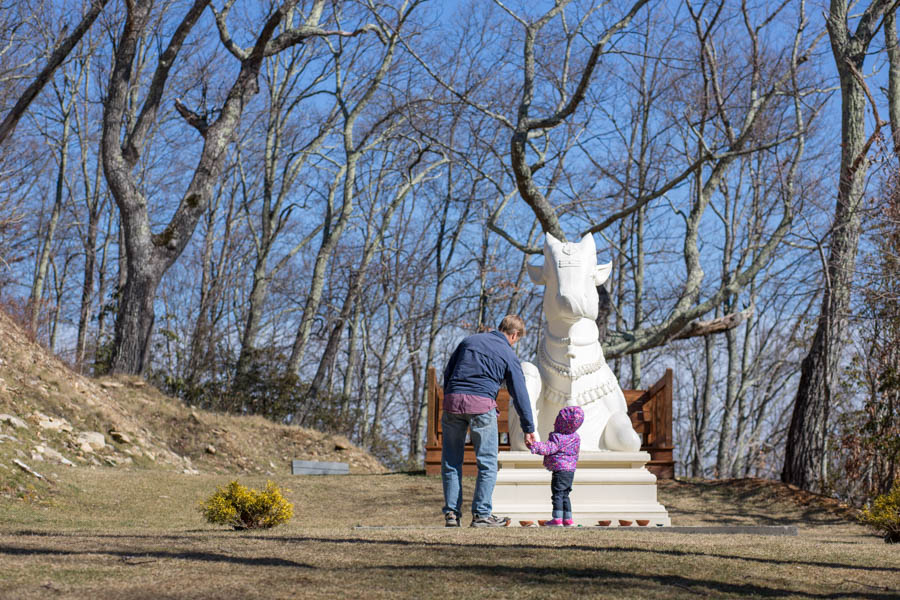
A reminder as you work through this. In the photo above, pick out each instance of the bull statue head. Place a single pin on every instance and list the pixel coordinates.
(571, 275)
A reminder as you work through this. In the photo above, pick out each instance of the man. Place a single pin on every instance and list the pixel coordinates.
(472, 379)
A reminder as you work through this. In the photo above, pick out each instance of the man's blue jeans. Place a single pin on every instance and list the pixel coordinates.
(485, 439)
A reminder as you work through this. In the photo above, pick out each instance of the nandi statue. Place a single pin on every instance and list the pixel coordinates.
(571, 369)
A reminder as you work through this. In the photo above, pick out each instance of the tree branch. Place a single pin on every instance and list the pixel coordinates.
(700, 328)
(197, 121)
(58, 55)
(524, 175)
(297, 35)
(134, 140)
(221, 18)
(587, 73)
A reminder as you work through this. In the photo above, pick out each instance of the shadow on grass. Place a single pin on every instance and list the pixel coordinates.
(767, 502)
(578, 547)
(557, 576)
(553, 577)
(460, 544)
(158, 554)
(741, 516)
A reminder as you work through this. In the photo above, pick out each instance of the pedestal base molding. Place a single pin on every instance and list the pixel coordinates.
(609, 486)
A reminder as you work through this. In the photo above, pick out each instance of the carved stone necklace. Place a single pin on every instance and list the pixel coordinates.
(564, 370)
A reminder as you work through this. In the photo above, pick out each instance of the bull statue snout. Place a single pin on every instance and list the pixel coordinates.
(570, 306)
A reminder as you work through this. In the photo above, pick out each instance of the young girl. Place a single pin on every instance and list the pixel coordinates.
(561, 457)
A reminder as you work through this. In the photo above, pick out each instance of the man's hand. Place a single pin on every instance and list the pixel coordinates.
(530, 438)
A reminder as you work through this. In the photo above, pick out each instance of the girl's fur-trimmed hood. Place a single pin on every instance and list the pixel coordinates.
(568, 420)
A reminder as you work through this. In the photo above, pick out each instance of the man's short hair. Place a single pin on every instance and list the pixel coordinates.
(512, 323)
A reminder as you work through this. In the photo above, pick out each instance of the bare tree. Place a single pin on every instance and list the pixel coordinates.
(286, 152)
(95, 200)
(353, 97)
(805, 452)
(374, 237)
(49, 235)
(61, 50)
(67, 95)
(148, 255)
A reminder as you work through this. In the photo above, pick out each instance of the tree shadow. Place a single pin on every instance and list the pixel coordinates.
(577, 547)
(556, 577)
(264, 561)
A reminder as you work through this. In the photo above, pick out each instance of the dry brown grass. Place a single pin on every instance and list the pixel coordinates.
(109, 533)
(134, 531)
(163, 432)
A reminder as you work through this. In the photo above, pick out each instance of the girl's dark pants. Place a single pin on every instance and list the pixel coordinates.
(560, 486)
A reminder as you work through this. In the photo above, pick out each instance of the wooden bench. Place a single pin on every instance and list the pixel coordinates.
(650, 411)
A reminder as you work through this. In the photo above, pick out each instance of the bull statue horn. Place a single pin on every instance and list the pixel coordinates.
(601, 273)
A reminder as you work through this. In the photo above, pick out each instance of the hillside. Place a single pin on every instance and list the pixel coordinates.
(51, 417)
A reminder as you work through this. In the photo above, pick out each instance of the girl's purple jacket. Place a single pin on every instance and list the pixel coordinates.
(561, 450)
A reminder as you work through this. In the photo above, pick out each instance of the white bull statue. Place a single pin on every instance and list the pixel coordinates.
(571, 369)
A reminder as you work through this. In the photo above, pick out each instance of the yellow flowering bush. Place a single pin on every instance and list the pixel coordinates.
(246, 508)
(884, 514)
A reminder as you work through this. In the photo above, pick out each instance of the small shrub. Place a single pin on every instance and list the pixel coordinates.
(246, 508)
(884, 514)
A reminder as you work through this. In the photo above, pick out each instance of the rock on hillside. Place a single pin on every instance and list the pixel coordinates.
(50, 415)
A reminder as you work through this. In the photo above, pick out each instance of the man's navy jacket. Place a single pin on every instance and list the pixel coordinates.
(480, 364)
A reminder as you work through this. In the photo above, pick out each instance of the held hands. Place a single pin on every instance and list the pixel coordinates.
(530, 438)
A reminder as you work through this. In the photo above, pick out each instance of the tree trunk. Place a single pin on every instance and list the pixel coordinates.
(352, 361)
(726, 438)
(202, 326)
(484, 296)
(413, 343)
(805, 445)
(374, 239)
(701, 410)
(604, 308)
(102, 274)
(334, 337)
(332, 233)
(805, 460)
(893, 51)
(134, 320)
(381, 379)
(87, 286)
(638, 292)
(40, 274)
(280, 170)
(149, 255)
(416, 451)
(59, 285)
(258, 293)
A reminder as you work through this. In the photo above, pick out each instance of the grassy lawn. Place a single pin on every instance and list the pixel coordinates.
(109, 533)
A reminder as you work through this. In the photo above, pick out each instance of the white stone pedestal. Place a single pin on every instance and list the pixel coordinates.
(608, 486)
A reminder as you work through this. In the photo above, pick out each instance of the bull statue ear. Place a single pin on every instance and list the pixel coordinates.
(536, 273)
(601, 273)
(587, 244)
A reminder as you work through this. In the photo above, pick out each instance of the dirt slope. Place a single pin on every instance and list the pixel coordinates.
(51, 417)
